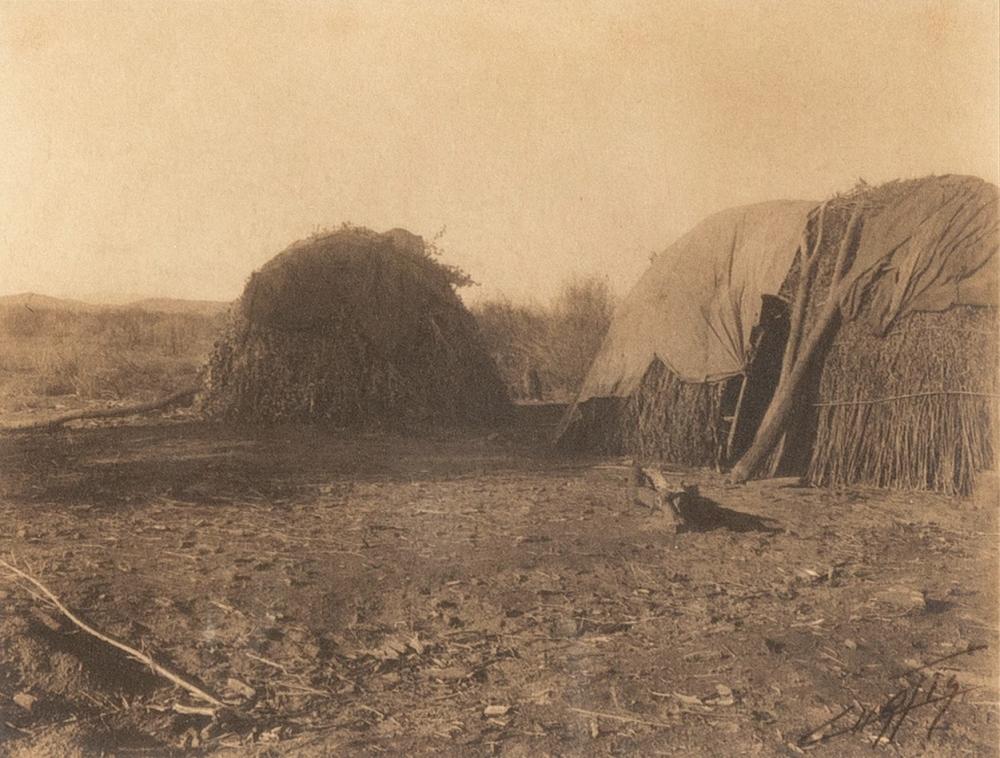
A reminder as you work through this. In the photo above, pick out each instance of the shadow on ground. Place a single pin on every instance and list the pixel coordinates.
(200, 461)
(703, 514)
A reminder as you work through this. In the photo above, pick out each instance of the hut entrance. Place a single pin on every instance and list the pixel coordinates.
(745, 398)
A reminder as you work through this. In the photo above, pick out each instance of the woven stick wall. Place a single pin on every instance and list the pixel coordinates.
(915, 409)
(665, 419)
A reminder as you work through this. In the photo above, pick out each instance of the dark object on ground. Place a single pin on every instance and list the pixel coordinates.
(701, 514)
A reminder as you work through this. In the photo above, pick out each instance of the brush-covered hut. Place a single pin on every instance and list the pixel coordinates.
(353, 327)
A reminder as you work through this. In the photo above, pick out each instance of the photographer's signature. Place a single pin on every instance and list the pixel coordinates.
(935, 693)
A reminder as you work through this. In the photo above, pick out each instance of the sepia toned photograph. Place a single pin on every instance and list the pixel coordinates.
(522, 379)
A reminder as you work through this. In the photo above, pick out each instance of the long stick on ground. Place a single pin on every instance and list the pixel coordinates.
(128, 410)
(160, 669)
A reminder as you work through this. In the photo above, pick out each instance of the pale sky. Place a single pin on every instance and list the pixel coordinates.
(170, 148)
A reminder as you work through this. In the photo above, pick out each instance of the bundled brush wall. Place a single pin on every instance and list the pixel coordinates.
(914, 409)
(665, 419)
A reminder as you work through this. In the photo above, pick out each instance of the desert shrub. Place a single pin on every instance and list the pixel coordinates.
(515, 336)
(557, 340)
(580, 318)
(106, 353)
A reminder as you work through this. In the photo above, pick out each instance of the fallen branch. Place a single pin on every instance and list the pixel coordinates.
(304, 689)
(158, 668)
(268, 661)
(193, 710)
(128, 410)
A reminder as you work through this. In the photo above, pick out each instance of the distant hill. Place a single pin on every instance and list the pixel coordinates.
(176, 305)
(208, 308)
(34, 300)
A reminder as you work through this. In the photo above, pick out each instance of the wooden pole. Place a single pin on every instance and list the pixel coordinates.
(736, 419)
(807, 268)
(128, 410)
(773, 424)
(808, 258)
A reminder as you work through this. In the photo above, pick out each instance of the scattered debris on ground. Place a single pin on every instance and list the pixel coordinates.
(471, 593)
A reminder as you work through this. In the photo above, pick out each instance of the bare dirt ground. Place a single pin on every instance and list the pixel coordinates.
(471, 593)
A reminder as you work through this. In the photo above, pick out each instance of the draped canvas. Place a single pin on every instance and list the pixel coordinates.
(696, 304)
(932, 247)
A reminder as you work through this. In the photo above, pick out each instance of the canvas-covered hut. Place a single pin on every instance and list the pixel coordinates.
(878, 366)
(666, 381)
(353, 327)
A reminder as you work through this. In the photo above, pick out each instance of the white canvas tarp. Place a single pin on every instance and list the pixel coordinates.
(696, 304)
(933, 246)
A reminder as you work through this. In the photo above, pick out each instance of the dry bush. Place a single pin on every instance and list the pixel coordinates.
(516, 338)
(558, 340)
(110, 353)
(580, 318)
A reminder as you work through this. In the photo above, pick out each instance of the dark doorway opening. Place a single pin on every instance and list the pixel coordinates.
(745, 398)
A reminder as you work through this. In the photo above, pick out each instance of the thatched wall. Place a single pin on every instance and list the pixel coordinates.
(914, 409)
(353, 327)
(671, 420)
(664, 419)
